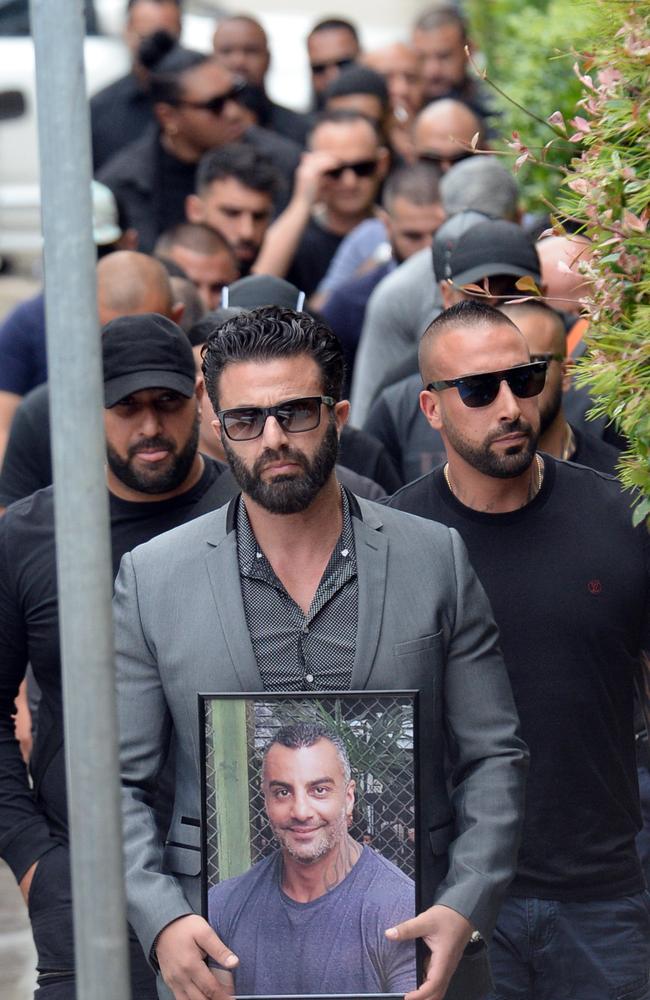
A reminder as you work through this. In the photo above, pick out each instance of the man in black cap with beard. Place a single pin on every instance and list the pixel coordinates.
(156, 480)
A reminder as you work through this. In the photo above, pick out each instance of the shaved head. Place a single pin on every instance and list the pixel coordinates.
(444, 129)
(129, 283)
(560, 258)
(466, 315)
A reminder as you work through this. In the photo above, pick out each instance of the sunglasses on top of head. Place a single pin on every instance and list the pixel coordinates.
(523, 381)
(363, 168)
(244, 423)
(319, 68)
(215, 104)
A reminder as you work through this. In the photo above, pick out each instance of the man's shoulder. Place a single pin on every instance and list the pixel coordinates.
(31, 516)
(239, 887)
(121, 89)
(408, 293)
(388, 871)
(393, 519)
(585, 489)
(25, 318)
(185, 541)
(131, 165)
(418, 495)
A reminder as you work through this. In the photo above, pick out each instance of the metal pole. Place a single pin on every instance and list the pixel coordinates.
(81, 504)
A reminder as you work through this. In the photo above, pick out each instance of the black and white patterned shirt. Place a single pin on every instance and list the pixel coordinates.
(294, 651)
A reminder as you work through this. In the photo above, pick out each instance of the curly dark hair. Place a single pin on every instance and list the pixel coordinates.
(273, 332)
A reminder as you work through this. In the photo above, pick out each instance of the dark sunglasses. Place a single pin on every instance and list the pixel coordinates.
(215, 105)
(319, 68)
(523, 381)
(363, 168)
(438, 158)
(547, 356)
(243, 423)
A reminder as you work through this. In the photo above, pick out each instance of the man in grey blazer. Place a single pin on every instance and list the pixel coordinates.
(299, 585)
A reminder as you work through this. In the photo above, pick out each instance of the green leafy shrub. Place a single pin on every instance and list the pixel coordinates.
(527, 47)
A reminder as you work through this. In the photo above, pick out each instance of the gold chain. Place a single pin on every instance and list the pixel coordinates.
(539, 476)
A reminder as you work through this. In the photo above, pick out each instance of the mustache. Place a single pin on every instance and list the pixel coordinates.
(151, 444)
(517, 426)
(280, 455)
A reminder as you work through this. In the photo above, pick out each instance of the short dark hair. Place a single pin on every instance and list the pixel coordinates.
(273, 332)
(358, 80)
(469, 313)
(193, 236)
(334, 24)
(343, 116)
(248, 166)
(418, 183)
(306, 734)
(439, 17)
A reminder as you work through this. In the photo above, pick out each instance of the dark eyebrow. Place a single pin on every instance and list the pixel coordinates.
(319, 781)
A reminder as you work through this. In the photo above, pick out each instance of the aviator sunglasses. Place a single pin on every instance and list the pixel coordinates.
(244, 423)
(523, 381)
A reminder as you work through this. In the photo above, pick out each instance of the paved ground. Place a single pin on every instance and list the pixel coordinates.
(17, 954)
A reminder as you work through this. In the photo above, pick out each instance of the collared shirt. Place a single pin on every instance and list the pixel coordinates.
(297, 651)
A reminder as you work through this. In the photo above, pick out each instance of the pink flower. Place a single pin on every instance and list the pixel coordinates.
(586, 81)
(557, 120)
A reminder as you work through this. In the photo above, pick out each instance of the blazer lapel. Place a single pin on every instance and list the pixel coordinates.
(223, 570)
(372, 554)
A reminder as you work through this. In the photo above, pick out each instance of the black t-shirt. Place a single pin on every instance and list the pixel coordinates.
(175, 183)
(27, 463)
(315, 251)
(119, 114)
(568, 580)
(29, 632)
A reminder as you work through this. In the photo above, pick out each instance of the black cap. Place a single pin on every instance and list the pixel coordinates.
(446, 237)
(145, 352)
(490, 248)
(262, 290)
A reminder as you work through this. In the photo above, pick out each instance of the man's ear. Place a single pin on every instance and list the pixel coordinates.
(342, 414)
(177, 311)
(216, 427)
(194, 208)
(383, 162)
(430, 406)
(446, 293)
(567, 374)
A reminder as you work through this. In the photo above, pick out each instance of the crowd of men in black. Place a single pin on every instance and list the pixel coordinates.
(233, 235)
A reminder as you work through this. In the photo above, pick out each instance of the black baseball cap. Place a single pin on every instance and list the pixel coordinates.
(491, 248)
(145, 352)
(446, 237)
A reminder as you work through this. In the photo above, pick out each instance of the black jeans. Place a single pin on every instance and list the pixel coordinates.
(50, 912)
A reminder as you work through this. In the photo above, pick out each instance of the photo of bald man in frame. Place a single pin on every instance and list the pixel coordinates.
(309, 846)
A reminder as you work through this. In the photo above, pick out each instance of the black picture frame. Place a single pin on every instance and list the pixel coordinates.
(233, 726)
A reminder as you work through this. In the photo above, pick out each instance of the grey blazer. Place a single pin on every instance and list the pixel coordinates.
(424, 622)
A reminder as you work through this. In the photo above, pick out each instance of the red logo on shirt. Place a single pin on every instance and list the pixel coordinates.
(594, 586)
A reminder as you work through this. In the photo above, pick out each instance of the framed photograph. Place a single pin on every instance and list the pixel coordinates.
(309, 846)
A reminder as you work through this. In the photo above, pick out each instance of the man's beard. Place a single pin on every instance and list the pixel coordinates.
(286, 494)
(153, 481)
(323, 843)
(510, 463)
